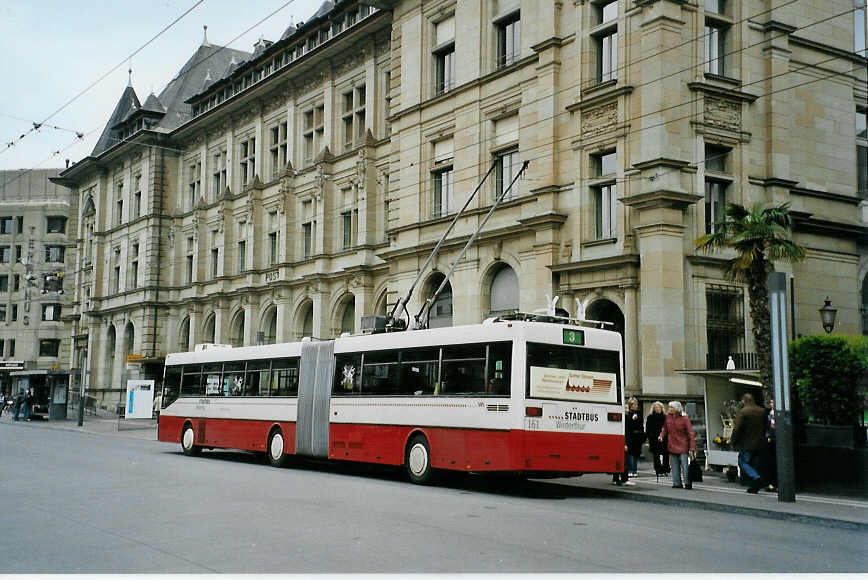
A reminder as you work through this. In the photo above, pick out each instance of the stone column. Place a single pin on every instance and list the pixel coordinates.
(633, 378)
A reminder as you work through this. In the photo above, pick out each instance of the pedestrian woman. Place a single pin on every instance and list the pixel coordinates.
(635, 434)
(653, 427)
(681, 442)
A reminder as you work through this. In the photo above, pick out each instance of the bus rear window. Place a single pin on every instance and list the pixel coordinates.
(573, 373)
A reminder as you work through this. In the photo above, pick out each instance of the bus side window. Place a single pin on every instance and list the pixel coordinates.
(380, 373)
(192, 385)
(499, 368)
(256, 383)
(419, 371)
(284, 377)
(348, 374)
(463, 370)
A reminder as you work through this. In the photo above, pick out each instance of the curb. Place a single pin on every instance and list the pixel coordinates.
(728, 508)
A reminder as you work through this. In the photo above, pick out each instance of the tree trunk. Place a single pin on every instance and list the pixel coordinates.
(758, 294)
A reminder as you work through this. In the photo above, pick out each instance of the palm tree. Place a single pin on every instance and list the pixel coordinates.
(760, 237)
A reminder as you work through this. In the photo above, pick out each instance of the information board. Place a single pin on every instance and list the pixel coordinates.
(140, 399)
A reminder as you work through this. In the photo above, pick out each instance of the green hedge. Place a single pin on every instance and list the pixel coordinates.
(829, 374)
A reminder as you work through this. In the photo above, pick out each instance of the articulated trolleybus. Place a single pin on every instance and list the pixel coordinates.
(513, 395)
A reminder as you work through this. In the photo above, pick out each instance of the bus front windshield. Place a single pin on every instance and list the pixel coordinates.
(573, 373)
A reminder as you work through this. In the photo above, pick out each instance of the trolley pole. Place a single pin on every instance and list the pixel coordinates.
(82, 389)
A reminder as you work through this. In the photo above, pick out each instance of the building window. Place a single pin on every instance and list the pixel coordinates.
(11, 348)
(16, 282)
(218, 175)
(604, 192)
(347, 229)
(605, 40)
(860, 23)
(715, 186)
(353, 117)
(6, 225)
(189, 271)
(724, 326)
(444, 55)
(119, 203)
(4, 283)
(14, 313)
(313, 132)
(442, 202)
(715, 47)
(242, 256)
(54, 253)
(49, 347)
(55, 225)
(19, 253)
(52, 283)
(115, 286)
(3, 312)
(506, 169)
(215, 260)
(508, 40)
(272, 248)
(247, 163)
(51, 312)
(307, 238)
(134, 266)
(861, 153)
(5, 254)
(277, 148)
(715, 6)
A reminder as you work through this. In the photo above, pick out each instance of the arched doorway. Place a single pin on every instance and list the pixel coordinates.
(129, 339)
(440, 313)
(304, 320)
(504, 291)
(607, 311)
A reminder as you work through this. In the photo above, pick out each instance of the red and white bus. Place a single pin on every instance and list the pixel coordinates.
(520, 396)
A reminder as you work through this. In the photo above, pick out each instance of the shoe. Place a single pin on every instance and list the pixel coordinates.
(618, 483)
(688, 486)
(771, 489)
(629, 483)
(753, 489)
(677, 486)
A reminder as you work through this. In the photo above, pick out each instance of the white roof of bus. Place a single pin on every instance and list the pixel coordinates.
(488, 332)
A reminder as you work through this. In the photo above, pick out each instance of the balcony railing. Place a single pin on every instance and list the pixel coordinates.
(743, 361)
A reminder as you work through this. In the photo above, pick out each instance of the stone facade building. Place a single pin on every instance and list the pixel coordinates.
(286, 192)
(37, 258)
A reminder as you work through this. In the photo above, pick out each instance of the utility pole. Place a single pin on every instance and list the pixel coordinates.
(777, 284)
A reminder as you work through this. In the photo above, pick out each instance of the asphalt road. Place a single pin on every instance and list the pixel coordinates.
(76, 502)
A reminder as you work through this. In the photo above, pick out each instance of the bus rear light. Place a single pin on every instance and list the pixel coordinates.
(533, 411)
(614, 416)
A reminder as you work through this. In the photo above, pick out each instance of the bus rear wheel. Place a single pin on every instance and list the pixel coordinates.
(417, 460)
(188, 441)
(274, 451)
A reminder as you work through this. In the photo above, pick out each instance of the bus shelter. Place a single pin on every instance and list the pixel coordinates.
(723, 390)
(50, 390)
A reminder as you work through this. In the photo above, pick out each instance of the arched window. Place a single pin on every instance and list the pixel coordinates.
(607, 311)
(209, 334)
(504, 291)
(348, 319)
(238, 329)
(184, 335)
(440, 314)
(307, 324)
(269, 326)
(110, 346)
(129, 338)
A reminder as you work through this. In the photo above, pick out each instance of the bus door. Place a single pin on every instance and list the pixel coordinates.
(314, 397)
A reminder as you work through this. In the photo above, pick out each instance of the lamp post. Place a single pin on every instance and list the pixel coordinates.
(828, 314)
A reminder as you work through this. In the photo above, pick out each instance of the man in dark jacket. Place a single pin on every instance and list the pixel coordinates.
(748, 437)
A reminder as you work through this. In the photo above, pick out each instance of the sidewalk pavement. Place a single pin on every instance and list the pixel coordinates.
(835, 507)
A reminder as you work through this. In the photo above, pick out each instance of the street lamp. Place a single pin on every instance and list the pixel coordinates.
(827, 314)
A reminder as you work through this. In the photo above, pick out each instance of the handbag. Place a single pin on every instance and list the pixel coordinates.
(694, 472)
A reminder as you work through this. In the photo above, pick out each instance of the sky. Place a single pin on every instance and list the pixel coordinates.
(50, 51)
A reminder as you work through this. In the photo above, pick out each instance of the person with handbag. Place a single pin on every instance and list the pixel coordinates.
(681, 442)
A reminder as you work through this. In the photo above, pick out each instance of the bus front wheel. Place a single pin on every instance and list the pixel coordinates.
(188, 439)
(275, 452)
(417, 460)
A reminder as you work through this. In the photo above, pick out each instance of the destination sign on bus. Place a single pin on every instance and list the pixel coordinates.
(573, 385)
(576, 337)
